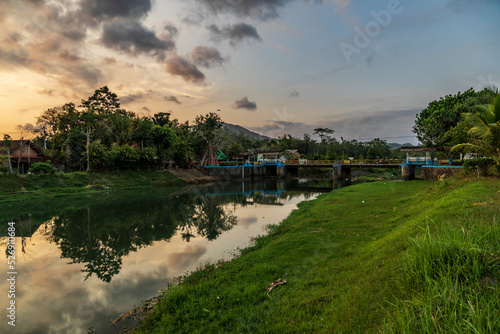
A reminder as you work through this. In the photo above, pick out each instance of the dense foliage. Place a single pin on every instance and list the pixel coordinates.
(100, 135)
(443, 124)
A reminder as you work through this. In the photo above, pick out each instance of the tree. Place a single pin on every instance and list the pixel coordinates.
(162, 118)
(102, 103)
(121, 129)
(378, 148)
(206, 128)
(433, 124)
(7, 141)
(324, 134)
(163, 137)
(484, 135)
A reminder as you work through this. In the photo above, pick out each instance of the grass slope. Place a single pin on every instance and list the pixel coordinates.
(348, 261)
(21, 187)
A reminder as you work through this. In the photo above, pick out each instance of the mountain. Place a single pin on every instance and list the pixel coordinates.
(237, 129)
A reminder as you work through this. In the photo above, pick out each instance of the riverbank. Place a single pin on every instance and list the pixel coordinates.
(21, 187)
(346, 262)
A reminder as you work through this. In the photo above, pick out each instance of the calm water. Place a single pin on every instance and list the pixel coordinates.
(83, 260)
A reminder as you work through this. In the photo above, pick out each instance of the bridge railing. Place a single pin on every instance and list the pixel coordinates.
(345, 162)
(373, 161)
(312, 162)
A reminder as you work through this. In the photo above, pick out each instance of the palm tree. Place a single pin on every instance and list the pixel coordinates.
(484, 135)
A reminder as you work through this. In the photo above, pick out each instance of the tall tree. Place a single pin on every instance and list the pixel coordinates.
(433, 124)
(206, 127)
(7, 141)
(163, 137)
(101, 104)
(325, 134)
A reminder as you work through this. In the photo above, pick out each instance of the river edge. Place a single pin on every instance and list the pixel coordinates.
(369, 225)
(23, 187)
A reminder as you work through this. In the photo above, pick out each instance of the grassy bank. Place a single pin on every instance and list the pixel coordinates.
(367, 258)
(361, 174)
(376, 174)
(21, 187)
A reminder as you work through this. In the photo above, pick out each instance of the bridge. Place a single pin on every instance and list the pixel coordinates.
(290, 168)
(341, 168)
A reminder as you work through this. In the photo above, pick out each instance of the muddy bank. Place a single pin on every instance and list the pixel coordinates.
(191, 176)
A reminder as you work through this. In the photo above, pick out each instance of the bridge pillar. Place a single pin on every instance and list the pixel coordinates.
(342, 173)
(346, 175)
(337, 172)
(292, 172)
(281, 171)
(407, 172)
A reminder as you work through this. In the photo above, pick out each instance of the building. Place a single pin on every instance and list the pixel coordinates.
(24, 151)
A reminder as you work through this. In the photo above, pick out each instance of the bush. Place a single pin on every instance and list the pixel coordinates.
(484, 166)
(42, 168)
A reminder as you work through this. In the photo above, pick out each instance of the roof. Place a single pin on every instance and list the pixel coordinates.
(416, 149)
(17, 143)
(245, 154)
(268, 152)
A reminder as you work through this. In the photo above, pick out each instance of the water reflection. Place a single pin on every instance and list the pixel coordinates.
(130, 244)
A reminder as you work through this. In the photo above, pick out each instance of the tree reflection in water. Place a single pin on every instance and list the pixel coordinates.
(101, 234)
(98, 231)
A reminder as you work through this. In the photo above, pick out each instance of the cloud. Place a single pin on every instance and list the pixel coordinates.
(48, 92)
(172, 99)
(235, 33)
(109, 60)
(186, 258)
(263, 10)
(207, 56)
(280, 125)
(146, 109)
(294, 93)
(68, 56)
(247, 221)
(131, 98)
(100, 10)
(180, 66)
(133, 38)
(243, 103)
(171, 29)
(260, 9)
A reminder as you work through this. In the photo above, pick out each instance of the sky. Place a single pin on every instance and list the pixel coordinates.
(361, 68)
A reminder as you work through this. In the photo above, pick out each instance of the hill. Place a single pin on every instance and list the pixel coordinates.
(246, 132)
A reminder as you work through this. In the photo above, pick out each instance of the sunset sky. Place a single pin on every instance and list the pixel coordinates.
(361, 68)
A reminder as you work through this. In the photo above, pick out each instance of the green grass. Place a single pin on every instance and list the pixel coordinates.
(354, 267)
(452, 269)
(21, 187)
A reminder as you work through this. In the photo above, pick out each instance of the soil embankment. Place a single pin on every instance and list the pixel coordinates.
(191, 176)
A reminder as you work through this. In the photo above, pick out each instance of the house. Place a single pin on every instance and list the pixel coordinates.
(24, 151)
(268, 156)
(294, 154)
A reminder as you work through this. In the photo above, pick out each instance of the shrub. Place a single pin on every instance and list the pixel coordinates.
(42, 168)
(482, 165)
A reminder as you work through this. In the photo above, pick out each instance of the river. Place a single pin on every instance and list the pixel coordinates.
(83, 260)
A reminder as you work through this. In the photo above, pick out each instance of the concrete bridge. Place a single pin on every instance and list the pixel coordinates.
(290, 168)
(341, 169)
